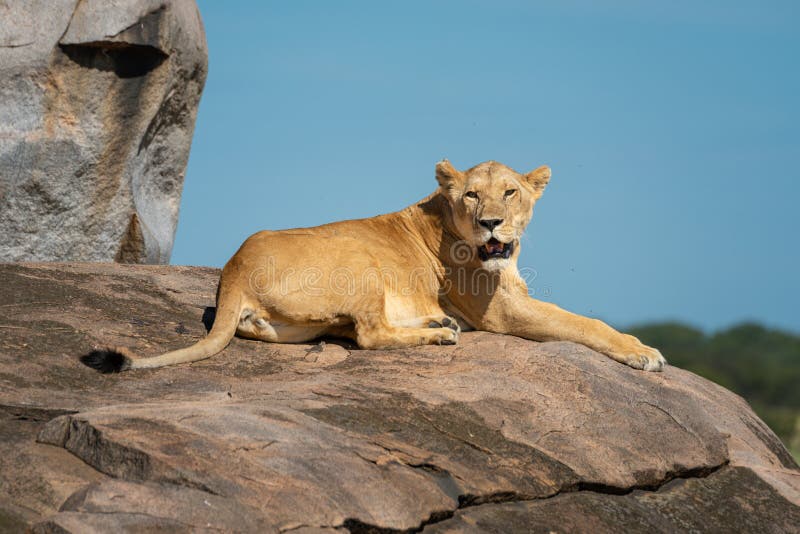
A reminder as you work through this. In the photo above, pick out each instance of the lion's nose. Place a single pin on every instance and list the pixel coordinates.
(490, 224)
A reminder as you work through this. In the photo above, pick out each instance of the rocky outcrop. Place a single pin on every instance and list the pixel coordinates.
(495, 434)
(97, 108)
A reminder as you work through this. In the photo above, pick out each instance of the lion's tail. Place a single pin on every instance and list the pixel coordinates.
(225, 323)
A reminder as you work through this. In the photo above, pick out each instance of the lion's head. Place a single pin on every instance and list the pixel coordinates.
(491, 205)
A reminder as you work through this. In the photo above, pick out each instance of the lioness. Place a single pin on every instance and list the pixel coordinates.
(408, 278)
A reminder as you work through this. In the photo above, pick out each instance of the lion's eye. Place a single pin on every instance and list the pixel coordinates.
(510, 192)
(471, 194)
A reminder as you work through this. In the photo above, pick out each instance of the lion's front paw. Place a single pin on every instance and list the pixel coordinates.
(639, 356)
(447, 331)
(446, 322)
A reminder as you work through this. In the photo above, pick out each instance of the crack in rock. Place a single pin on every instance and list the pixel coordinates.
(506, 497)
(114, 459)
(33, 413)
(357, 526)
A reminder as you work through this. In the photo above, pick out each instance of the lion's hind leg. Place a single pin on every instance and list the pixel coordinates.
(374, 331)
(259, 326)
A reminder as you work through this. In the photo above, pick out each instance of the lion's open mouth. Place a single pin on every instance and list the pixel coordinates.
(495, 249)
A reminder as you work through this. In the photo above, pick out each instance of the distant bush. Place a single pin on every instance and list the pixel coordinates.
(760, 364)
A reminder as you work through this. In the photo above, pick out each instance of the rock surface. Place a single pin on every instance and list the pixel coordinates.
(495, 434)
(97, 107)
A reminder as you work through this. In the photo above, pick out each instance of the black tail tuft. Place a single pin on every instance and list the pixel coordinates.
(106, 361)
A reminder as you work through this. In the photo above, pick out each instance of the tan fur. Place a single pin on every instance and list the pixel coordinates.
(400, 279)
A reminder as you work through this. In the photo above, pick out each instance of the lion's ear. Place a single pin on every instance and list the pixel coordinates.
(537, 180)
(447, 175)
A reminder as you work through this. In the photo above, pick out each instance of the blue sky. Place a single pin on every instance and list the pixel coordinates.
(672, 128)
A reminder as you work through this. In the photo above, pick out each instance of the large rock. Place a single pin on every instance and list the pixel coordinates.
(97, 107)
(495, 434)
